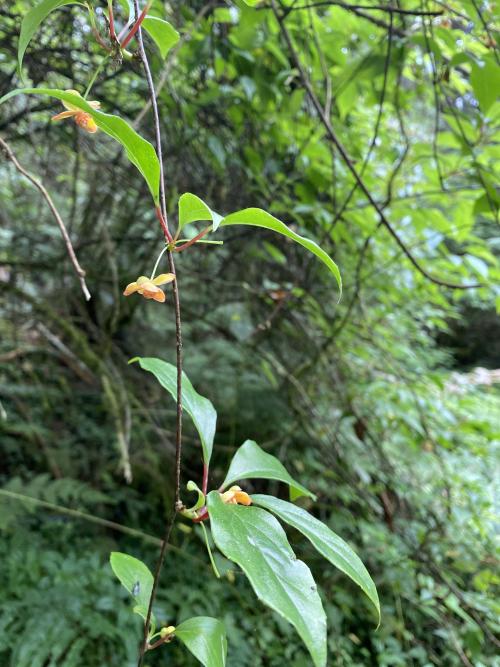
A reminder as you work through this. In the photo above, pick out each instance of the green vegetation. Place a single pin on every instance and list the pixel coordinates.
(319, 151)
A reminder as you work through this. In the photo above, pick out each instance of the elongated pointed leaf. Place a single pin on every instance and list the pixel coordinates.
(256, 217)
(139, 151)
(205, 637)
(32, 21)
(254, 540)
(252, 462)
(193, 209)
(200, 409)
(136, 577)
(329, 545)
(163, 34)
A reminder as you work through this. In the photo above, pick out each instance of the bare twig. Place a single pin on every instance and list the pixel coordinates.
(69, 247)
(376, 8)
(345, 157)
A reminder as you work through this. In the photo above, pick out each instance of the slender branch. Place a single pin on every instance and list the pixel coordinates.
(345, 157)
(77, 514)
(171, 57)
(376, 8)
(196, 238)
(178, 335)
(69, 246)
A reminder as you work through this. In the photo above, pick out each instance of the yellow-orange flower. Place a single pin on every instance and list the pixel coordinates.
(235, 496)
(149, 288)
(82, 118)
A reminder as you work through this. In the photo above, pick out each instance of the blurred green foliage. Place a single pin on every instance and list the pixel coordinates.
(361, 400)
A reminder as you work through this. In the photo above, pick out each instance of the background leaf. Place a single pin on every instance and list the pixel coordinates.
(205, 637)
(485, 80)
(135, 577)
(163, 34)
(252, 462)
(139, 151)
(254, 540)
(200, 409)
(329, 545)
(31, 22)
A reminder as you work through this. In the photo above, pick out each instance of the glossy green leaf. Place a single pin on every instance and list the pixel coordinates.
(200, 409)
(32, 21)
(193, 209)
(329, 545)
(485, 80)
(163, 34)
(252, 462)
(205, 637)
(256, 217)
(253, 538)
(136, 577)
(139, 151)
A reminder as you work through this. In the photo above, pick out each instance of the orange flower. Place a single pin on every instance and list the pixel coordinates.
(149, 288)
(235, 496)
(82, 118)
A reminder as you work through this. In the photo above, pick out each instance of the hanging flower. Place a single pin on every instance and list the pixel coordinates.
(235, 496)
(148, 287)
(82, 118)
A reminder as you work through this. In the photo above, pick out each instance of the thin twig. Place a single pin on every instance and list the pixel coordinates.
(345, 157)
(171, 57)
(69, 247)
(77, 514)
(376, 8)
(178, 335)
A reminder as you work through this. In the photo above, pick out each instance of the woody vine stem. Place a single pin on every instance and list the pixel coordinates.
(162, 215)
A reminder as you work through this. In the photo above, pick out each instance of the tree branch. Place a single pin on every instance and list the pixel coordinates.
(343, 153)
(64, 232)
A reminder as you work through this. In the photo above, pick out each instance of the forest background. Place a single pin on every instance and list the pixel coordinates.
(385, 404)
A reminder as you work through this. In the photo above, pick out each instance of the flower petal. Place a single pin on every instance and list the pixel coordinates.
(159, 296)
(130, 289)
(86, 122)
(64, 114)
(164, 278)
(68, 105)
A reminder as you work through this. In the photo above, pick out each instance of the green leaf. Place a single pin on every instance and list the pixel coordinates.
(200, 409)
(136, 577)
(324, 540)
(254, 540)
(252, 462)
(205, 637)
(32, 20)
(139, 151)
(192, 209)
(485, 80)
(256, 217)
(163, 34)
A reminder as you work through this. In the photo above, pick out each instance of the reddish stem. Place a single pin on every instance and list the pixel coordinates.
(193, 240)
(202, 516)
(112, 33)
(159, 642)
(204, 483)
(136, 26)
(163, 224)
